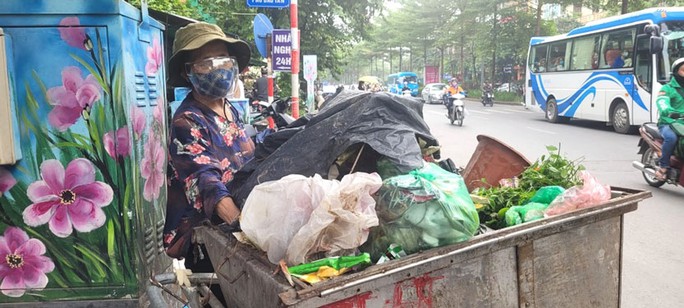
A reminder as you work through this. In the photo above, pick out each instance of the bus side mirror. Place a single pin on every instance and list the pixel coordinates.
(656, 44)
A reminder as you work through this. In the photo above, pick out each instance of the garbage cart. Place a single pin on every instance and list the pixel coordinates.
(570, 260)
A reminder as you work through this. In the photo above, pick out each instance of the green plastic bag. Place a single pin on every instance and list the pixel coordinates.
(546, 194)
(430, 207)
(528, 212)
(334, 262)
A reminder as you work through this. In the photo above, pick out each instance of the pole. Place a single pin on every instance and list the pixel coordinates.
(295, 58)
(269, 78)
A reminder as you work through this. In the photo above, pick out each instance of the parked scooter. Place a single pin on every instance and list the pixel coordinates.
(455, 107)
(650, 147)
(272, 117)
(488, 98)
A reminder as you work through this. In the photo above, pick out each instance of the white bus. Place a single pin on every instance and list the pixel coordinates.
(609, 70)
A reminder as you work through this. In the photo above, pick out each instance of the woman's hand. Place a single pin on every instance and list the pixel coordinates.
(227, 210)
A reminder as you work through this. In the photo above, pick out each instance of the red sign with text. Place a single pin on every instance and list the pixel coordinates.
(431, 74)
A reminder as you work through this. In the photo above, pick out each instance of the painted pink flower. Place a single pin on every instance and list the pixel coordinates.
(152, 168)
(22, 264)
(7, 181)
(138, 120)
(70, 99)
(71, 33)
(154, 58)
(159, 110)
(117, 143)
(67, 199)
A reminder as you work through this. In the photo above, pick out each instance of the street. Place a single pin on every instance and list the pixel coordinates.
(653, 252)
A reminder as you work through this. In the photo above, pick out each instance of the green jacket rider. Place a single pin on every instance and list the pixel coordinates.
(670, 100)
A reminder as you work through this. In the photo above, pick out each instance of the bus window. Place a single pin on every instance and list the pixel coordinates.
(557, 56)
(674, 40)
(585, 53)
(538, 65)
(617, 46)
(409, 79)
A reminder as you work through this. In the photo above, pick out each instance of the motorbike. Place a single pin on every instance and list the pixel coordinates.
(406, 92)
(488, 98)
(456, 108)
(272, 117)
(650, 147)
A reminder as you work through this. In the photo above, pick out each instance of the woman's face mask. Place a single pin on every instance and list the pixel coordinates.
(214, 77)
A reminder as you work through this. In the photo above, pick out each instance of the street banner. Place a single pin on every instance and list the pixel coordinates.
(274, 4)
(431, 74)
(282, 50)
(310, 74)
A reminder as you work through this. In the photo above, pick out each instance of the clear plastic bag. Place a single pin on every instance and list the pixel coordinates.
(297, 216)
(590, 193)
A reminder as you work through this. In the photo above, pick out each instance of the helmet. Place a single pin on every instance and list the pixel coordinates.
(676, 64)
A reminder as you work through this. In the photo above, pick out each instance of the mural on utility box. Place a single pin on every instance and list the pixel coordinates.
(91, 156)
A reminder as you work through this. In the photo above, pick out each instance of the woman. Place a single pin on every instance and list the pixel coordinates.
(207, 143)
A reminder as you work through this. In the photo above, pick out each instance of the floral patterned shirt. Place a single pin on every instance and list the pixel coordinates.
(205, 150)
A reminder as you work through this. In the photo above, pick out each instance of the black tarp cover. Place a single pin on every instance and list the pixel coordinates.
(387, 123)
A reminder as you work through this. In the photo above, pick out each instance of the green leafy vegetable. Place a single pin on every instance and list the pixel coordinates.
(549, 170)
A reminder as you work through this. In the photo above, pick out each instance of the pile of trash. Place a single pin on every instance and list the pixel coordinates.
(355, 178)
(358, 183)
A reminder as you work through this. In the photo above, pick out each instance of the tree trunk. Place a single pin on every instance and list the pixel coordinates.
(410, 58)
(537, 28)
(441, 61)
(494, 28)
(624, 7)
(461, 63)
(401, 56)
(424, 56)
(390, 68)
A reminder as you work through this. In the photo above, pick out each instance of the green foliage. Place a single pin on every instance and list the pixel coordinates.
(549, 170)
(553, 169)
(500, 200)
(507, 97)
(328, 28)
(178, 7)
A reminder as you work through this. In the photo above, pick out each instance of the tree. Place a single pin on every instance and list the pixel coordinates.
(328, 27)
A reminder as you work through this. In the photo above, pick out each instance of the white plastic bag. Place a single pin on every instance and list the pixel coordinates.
(296, 216)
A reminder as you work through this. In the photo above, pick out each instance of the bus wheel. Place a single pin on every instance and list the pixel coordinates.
(552, 111)
(621, 119)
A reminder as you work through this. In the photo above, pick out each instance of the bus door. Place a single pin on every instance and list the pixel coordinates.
(642, 90)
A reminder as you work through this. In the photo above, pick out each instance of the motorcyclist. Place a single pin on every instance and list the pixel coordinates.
(486, 88)
(670, 101)
(453, 89)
